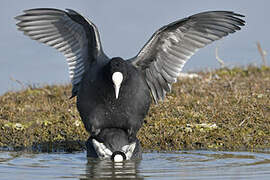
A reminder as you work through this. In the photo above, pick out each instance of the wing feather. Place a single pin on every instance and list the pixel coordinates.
(68, 32)
(165, 54)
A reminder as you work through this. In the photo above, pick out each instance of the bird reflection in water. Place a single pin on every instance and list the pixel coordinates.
(108, 169)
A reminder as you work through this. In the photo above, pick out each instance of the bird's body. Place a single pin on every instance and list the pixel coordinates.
(98, 106)
(113, 95)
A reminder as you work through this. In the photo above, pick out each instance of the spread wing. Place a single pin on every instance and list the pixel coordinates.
(68, 32)
(164, 55)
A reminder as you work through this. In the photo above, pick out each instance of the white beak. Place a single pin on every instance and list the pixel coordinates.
(118, 158)
(117, 79)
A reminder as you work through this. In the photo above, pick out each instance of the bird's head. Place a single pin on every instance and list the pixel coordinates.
(118, 73)
(114, 144)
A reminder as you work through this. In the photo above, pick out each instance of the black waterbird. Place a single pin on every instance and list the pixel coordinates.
(113, 94)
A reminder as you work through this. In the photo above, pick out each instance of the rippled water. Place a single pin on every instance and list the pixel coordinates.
(177, 165)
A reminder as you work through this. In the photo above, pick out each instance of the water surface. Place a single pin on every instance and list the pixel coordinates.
(176, 165)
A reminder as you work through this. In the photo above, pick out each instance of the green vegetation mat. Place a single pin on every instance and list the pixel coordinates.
(227, 109)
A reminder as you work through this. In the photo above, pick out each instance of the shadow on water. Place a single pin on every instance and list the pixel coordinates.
(49, 147)
(108, 169)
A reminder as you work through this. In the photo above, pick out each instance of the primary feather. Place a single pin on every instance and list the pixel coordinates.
(68, 32)
(164, 56)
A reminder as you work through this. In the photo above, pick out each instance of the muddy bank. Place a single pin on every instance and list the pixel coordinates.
(228, 109)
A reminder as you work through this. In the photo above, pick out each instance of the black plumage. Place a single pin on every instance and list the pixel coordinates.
(98, 106)
(115, 93)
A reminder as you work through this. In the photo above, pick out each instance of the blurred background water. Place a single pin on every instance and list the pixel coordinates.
(124, 26)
